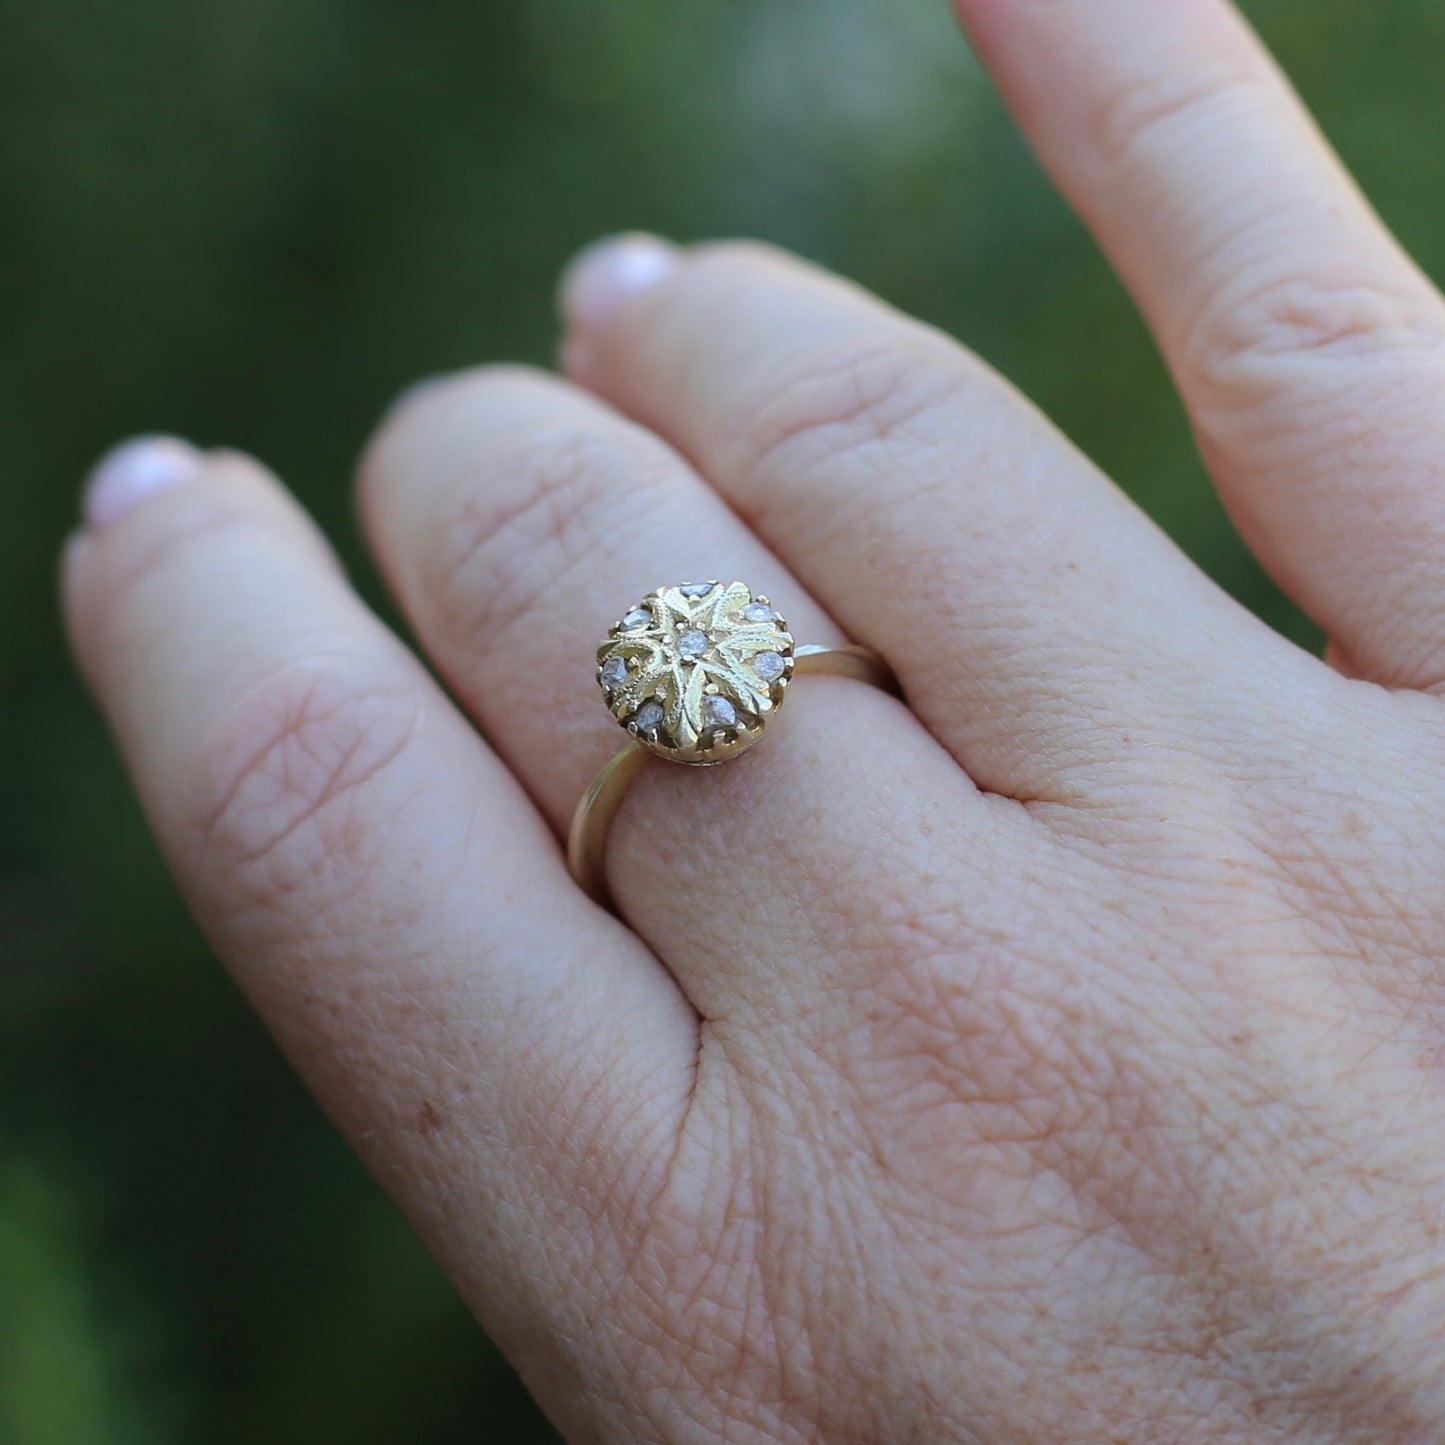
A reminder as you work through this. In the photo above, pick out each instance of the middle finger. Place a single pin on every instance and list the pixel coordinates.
(1043, 629)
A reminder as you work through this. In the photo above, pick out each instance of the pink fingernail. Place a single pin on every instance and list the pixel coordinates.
(135, 470)
(609, 273)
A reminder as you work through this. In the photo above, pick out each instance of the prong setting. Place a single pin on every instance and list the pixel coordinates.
(695, 671)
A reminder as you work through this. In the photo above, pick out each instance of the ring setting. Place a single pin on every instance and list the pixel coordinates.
(695, 672)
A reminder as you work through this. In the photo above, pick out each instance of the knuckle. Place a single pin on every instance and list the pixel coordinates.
(1154, 110)
(567, 487)
(1256, 330)
(849, 400)
(295, 780)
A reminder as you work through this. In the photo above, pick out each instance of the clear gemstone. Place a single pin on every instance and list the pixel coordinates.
(614, 672)
(693, 643)
(648, 716)
(757, 612)
(769, 666)
(638, 617)
(696, 589)
(720, 712)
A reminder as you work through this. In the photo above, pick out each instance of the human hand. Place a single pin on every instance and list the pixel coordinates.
(1055, 1059)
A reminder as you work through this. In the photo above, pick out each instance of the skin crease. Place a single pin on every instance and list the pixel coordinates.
(1056, 1058)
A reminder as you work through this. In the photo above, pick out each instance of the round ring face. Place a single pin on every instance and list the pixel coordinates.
(696, 671)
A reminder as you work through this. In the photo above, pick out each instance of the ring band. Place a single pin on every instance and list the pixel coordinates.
(693, 674)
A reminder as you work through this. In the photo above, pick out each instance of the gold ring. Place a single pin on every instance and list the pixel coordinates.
(694, 673)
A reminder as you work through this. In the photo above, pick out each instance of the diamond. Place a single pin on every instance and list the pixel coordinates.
(720, 712)
(696, 589)
(614, 672)
(648, 716)
(693, 643)
(638, 617)
(757, 612)
(769, 666)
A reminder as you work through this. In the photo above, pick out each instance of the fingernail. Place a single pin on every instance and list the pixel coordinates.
(135, 470)
(609, 273)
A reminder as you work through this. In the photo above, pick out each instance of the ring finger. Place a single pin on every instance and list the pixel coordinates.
(515, 517)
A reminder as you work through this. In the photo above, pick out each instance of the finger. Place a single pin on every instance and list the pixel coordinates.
(516, 518)
(510, 1061)
(1033, 614)
(1307, 347)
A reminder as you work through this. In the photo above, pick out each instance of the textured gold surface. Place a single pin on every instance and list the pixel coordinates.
(663, 677)
(660, 674)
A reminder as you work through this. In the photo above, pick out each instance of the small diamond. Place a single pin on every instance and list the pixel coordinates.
(720, 712)
(769, 666)
(757, 612)
(696, 589)
(614, 672)
(648, 716)
(693, 643)
(638, 617)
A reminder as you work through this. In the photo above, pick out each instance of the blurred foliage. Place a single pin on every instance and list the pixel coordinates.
(251, 221)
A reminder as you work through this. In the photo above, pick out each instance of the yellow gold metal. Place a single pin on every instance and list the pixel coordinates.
(693, 673)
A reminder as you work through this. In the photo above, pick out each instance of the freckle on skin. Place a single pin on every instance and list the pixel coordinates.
(428, 1121)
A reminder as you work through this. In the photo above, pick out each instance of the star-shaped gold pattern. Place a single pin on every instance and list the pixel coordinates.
(695, 671)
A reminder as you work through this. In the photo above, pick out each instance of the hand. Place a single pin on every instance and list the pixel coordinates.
(1055, 1059)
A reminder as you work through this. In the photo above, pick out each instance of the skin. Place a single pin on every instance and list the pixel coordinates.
(1054, 1058)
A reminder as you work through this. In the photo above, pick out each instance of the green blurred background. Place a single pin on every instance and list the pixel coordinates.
(251, 221)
